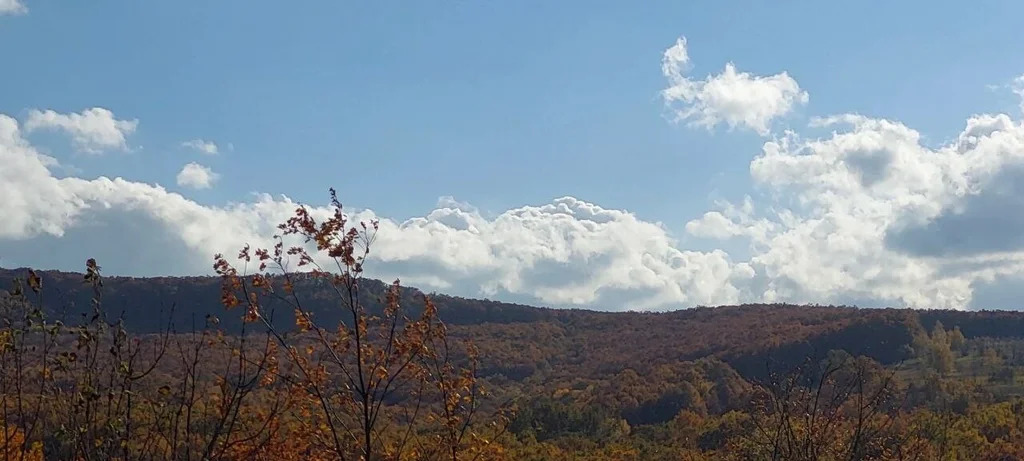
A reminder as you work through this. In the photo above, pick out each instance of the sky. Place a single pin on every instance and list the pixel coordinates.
(604, 155)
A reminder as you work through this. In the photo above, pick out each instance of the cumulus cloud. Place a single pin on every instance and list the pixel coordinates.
(870, 213)
(196, 176)
(738, 99)
(565, 253)
(92, 130)
(864, 214)
(199, 145)
(568, 252)
(12, 7)
(34, 202)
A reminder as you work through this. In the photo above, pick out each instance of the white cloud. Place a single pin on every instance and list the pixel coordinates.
(714, 224)
(738, 99)
(1018, 88)
(730, 221)
(851, 217)
(568, 252)
(865, 214)
(565, 253)
(197, 176)
(33, 200)
(199, 145)
(12, 7)
(92, 130)
(875, 216)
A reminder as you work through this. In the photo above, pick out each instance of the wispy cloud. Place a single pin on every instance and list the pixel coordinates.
(12, 7)
(199, 145)
(1018, 88)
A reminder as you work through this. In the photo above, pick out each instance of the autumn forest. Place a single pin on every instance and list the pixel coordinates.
(291, 353)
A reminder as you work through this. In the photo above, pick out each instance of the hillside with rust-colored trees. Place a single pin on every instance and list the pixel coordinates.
(291, 360)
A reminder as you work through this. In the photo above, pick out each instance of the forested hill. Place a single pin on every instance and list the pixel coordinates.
(584, 381)
(516, 339)
(146, 302)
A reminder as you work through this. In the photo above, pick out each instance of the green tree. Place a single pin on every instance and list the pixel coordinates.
(991, 360)
(957, 341)
(940, 356)
(939, 335)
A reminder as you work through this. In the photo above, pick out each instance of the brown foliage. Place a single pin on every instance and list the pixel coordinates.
(379, 386)
(383, 385)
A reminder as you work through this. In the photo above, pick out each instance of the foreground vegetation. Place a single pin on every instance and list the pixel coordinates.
(300, 362)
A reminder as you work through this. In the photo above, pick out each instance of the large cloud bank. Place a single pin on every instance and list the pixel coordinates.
(862, 212)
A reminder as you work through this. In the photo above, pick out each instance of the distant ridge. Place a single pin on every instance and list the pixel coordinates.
(744, 335)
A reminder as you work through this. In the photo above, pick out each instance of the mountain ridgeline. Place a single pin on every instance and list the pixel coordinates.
(700, 383)
(517, 339)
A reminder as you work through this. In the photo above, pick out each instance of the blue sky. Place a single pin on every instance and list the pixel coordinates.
(506, 105)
